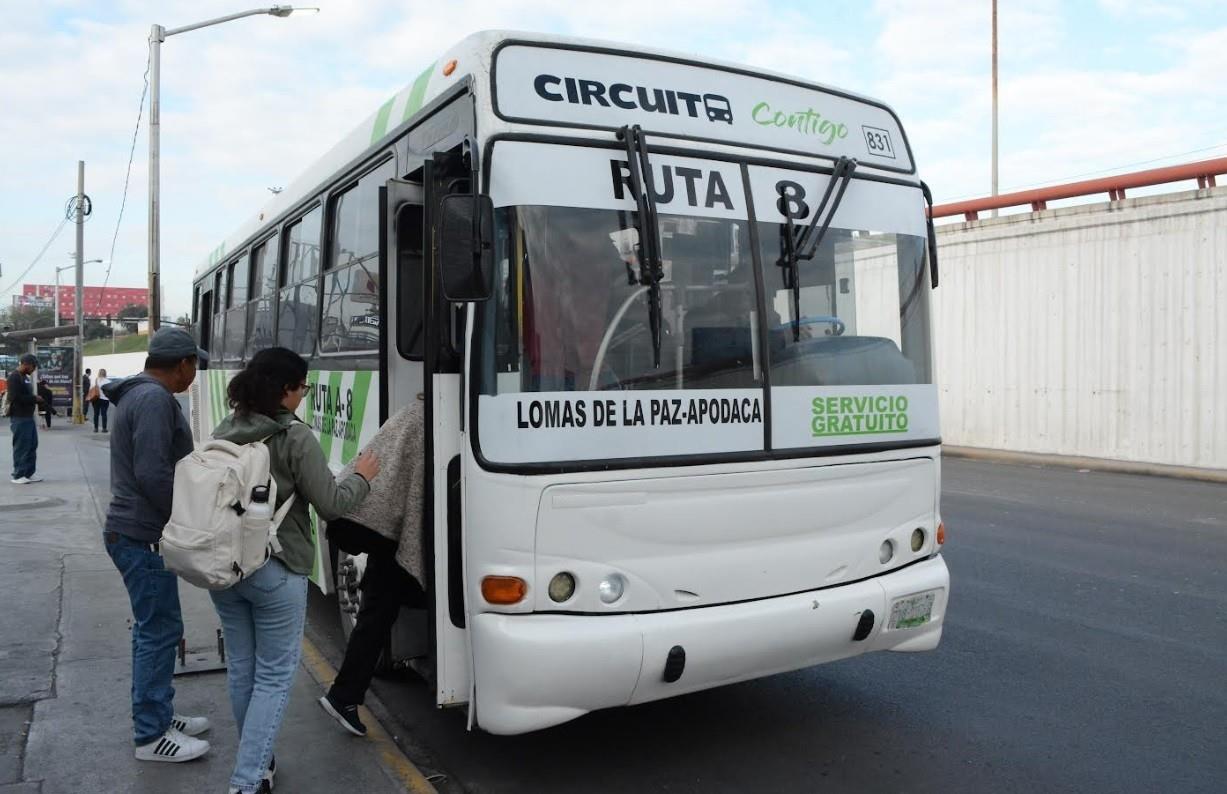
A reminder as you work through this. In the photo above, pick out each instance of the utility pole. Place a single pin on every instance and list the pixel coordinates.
(156, 37)
(77, 396)
(994, 103)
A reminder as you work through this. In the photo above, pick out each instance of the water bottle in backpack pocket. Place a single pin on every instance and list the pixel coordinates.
(222, 527)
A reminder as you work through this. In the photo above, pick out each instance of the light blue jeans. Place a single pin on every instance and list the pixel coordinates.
(262, 618)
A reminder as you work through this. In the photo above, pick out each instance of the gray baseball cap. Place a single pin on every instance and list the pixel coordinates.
(172, 343)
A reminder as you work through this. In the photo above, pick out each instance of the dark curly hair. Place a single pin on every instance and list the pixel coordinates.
(262, 384)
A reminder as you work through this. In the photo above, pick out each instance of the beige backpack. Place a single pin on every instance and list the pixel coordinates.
(220, 531)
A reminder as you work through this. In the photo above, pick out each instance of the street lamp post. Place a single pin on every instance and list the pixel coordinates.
(157, 35)
(59, 270)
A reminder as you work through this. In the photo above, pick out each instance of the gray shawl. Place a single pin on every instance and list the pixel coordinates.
(394, 507)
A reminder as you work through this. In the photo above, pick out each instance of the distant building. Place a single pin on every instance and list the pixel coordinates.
(98, 303)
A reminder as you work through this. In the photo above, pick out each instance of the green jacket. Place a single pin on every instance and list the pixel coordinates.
(298, 466)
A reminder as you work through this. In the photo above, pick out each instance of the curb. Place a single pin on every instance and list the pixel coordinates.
(394, 762)
(1096, 464)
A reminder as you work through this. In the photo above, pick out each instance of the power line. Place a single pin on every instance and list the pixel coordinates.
(124, 201)
(54, 235)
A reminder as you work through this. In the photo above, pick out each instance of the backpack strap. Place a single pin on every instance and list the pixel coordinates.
(284, 510)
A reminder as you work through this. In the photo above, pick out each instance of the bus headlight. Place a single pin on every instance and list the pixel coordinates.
(918, 539)
(562, 587)
(886, 551)
(611, 588)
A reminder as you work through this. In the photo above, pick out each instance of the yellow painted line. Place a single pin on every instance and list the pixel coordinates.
(390, 756)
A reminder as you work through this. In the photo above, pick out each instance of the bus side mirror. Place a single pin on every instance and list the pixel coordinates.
(466, 247)
(928, 194)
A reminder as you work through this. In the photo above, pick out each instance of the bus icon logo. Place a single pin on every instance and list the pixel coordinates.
(718, 108)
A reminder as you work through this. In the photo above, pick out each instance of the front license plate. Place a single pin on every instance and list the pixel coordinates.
(912, 611)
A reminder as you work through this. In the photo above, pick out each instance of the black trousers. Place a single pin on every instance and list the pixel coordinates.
(386, 587)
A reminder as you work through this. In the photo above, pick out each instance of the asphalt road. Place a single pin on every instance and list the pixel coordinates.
(1085, 650)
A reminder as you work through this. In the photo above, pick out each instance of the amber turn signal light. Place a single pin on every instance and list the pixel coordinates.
(941, 533)
(449, 67)
(503, 589)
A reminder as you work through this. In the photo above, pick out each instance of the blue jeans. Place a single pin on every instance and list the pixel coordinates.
(262, 618)
(100, 412)
(157, 625)
(25, 445)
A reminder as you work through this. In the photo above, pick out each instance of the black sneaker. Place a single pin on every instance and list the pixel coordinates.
(346, 715)
(269, 774)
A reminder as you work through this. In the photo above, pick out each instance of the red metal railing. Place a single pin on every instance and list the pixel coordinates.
(1115, 186)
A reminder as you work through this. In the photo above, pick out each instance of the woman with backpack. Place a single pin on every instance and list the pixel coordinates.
(263, 615)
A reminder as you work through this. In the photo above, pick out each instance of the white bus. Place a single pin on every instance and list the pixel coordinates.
(670, 322)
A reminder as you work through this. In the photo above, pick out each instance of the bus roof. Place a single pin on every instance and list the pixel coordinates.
(575, 99)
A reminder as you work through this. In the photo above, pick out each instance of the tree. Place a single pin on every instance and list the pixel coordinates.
(23, 318)
(96, 329)
(135, 311)
(185, 320)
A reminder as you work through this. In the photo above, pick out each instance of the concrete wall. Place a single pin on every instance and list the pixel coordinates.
(1098, 330)
(120, 365)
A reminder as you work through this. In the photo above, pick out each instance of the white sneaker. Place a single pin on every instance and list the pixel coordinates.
(173, 747)
(190, 726)
(34, 478)
(20, 480)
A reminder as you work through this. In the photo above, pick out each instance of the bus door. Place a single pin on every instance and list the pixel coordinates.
(422, 362)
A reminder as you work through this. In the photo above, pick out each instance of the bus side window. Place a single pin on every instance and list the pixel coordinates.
(196, 313)
(218, 336)
(204, 316)
(351, 321)
(263, 292)
(236, 313)
(298, 309)
(409, 262)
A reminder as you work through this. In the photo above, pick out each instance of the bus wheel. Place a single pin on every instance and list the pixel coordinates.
(349, 570)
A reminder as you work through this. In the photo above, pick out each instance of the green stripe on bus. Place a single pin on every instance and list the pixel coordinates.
(222, 383)
(215, 394)
(308, 411)
(362, 386)
(334, 387)
(381, 120)
(417, 93)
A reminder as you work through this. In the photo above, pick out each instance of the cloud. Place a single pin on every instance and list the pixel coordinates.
(249, 104)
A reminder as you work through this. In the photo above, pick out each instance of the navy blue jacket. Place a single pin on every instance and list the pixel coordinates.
(149, 435)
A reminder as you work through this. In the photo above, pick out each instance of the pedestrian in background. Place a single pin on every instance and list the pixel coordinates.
(151, 435)
(263, 615)
(46, 402)
(22, 402)
(85, 384)
(100, 400)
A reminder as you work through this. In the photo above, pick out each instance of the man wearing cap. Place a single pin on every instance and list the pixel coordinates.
(149, 436)
(22, 403)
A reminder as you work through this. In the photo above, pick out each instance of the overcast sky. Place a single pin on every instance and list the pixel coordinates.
(1086, 88)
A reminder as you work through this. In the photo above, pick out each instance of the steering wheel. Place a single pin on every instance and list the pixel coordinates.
(837, 325)
(609, 332)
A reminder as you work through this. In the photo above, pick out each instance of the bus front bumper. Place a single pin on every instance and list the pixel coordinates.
(537, 670)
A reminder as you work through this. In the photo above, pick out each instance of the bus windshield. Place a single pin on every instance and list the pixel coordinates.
(567, 338)
(570, 313)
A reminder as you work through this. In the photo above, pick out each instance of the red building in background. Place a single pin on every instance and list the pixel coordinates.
(99, 303)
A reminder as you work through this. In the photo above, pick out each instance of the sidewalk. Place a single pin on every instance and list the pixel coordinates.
(65, 656)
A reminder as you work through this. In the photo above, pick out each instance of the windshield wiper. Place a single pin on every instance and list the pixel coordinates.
(796, 250)
(651, 268)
